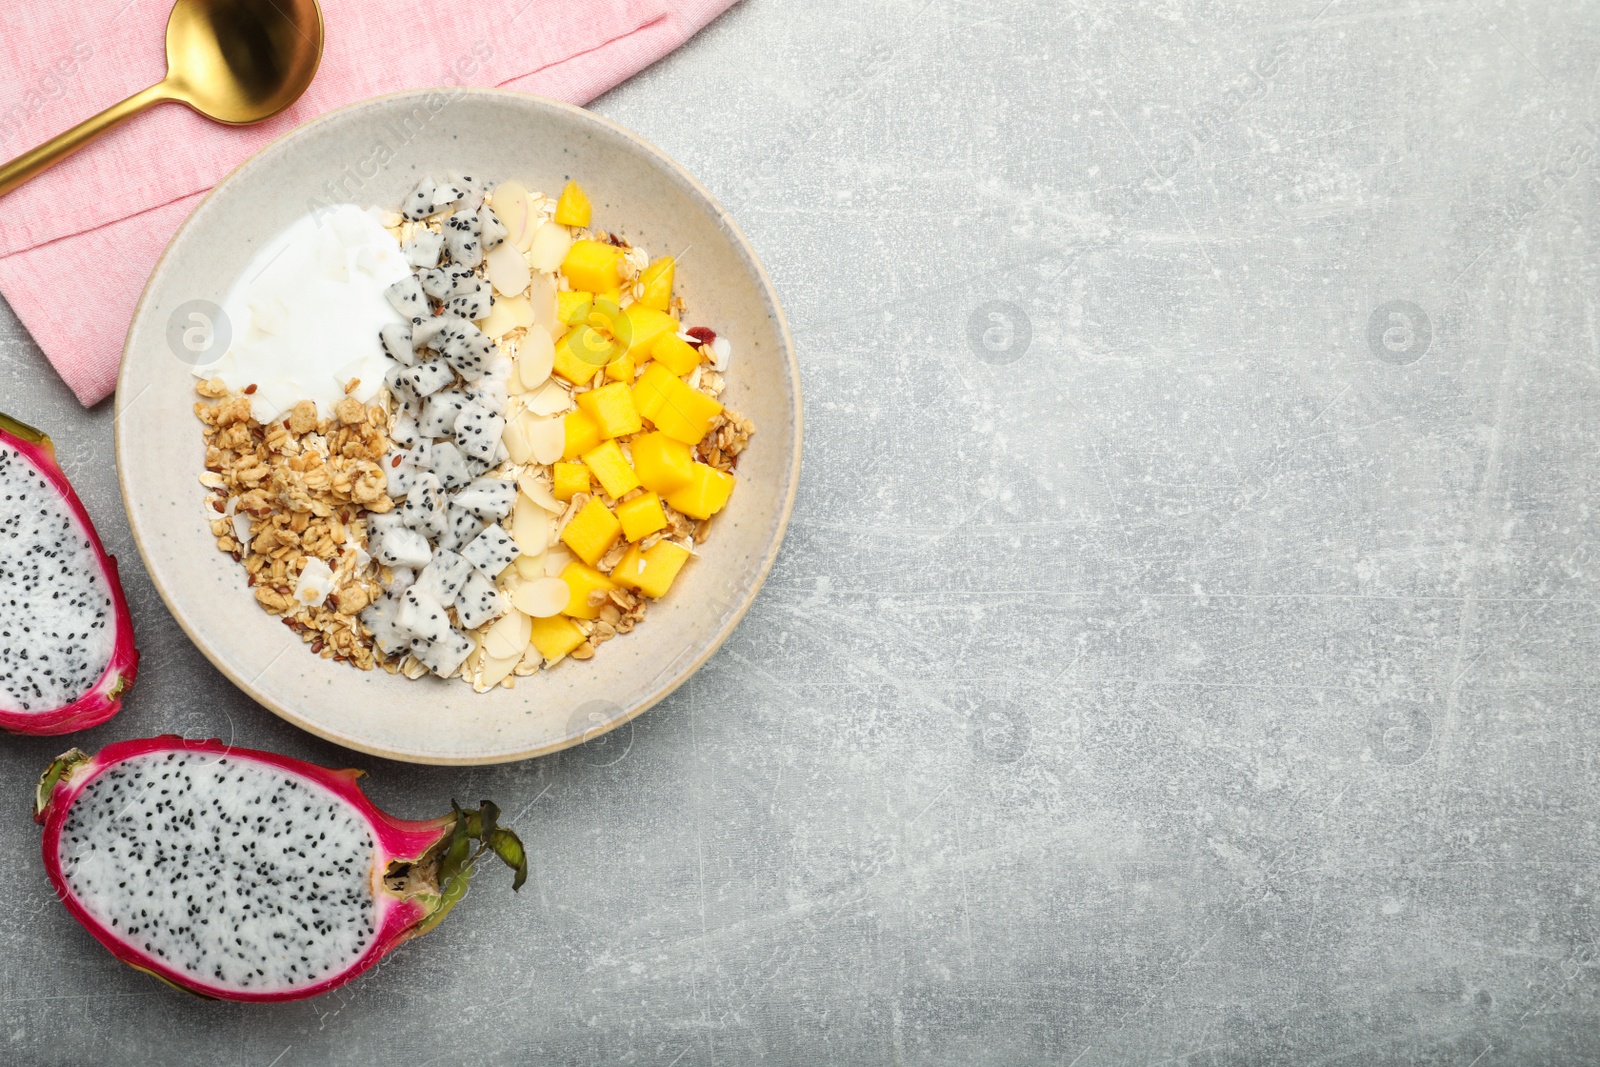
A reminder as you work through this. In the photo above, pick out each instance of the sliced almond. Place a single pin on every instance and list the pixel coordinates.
(547, 437)
(530, 567)
(508, 313)
(538, 491)
(556, 560)
(496, 670)
(542, 597)
(506, 270)
(551, 243)
(508, 636)
(542, 299)
(513, 207)
(530, 526)
(553, 399)
(519, 442)
(535, 356)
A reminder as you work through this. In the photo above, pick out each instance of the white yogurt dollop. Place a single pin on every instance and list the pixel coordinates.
(305, 313)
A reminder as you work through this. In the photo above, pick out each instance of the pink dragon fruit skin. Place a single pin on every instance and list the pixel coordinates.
(103, 699)
(402, 911)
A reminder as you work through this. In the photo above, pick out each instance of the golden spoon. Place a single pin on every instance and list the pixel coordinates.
(235, 61)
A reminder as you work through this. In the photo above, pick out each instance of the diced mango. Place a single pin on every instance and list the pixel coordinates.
(677, 411)
(611, 408)
(573, 308)
(582, 580)
(582, 434)
(652, 572)
(661, 463)
(656, 280)
(555, 637)
(593, 266)
(613, 295)
(641, 516)
(582, 352)
(610, 467)
(676, 354)
(592, 531)
(620, 370)
(570, 479)
(573, 208)
(645, 326)
(705, 494)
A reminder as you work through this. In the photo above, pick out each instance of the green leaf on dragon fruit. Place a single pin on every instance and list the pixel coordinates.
(508, 846)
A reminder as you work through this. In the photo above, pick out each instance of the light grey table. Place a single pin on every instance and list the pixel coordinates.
(1182, 652)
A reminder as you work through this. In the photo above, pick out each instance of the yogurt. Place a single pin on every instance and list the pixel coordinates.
(305, 313)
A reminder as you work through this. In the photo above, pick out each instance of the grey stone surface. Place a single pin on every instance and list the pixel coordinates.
(1182, 650)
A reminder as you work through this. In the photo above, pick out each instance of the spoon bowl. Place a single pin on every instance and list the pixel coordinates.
(233, 61)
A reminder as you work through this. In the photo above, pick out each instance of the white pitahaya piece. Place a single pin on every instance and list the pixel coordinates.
(422, 455)
(478, 601)
(449, 465)
(463, 239)
(440, 411)
(480, 467)
(461, 526)
(423, 510)
(470, 298)
(379, 619)
(408, 298)
(245, 875)
(430, 377)
(399, 473)
(478, 430)
(445, 655)
(404, 431)
(66, 640)
(436, 281)
(491, 551)
(424, 248)
(443, 575)
(396, 341)
(494, 231)
(467, 348)
(423, 333)
(447, 194)
(398, 546)
(487, 498)
(420, 204)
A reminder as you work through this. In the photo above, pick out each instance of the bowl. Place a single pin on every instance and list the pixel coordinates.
(373, 153)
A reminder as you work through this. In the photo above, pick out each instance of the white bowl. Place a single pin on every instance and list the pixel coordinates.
(375, 152)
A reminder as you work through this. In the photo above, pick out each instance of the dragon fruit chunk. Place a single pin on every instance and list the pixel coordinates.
(478, 430)
(424, 248)
(444, 655)
(467, 348)
(396, 340)
(443, 576)
(399, 546)
(447, 195)
(449, 465)
(439, 413)
(461, 527)
(407, 297)
(423, 510)
(66, 639)
(491, 551)
(463, 240)
(470, 298)
(436, 281)
(430, 377)
(424, 332)
(494, 231)
(478, 601)
(487, 498)
(420, 204)
(247, 875)
(378, 617)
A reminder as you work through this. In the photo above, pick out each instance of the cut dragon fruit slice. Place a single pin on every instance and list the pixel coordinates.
(424, 248)
(437, 282)
(67, 655)
(443, 576)
(494, 231)
(487, 498)
(445, 655)
(246, 875)
(430, 377)
(478, 601)
(469, 299)
(378, 617)
(420, 204)
(424, 332)
(467, 349)
(423, 510)
(491, 551)
(461, 527)
(408, 298)
(463, 239)
(449, 465)
(478, 430)
(396, 340)
(440, 411)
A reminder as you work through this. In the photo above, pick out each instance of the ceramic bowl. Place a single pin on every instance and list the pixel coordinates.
(373, 153)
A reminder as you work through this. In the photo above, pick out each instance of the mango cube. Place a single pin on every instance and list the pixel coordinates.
(582, 352)
(705, 494)
(676, 354)
(651, 572)
(611, 408)
(656, 283)
(582, 434)
(570, 479)
(679, 412)
(641, 516)
(644, 327)
(582, 580)
(611, 468)
(592, 531)
(620, 369)
(555, 637)
(573, 308)
(661, 463)
(593, 266)
(573, 208)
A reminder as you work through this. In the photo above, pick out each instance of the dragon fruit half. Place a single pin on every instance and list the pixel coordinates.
(246, 875)
(66, 641)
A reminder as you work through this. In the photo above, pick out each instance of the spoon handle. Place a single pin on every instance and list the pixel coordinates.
(58, 148)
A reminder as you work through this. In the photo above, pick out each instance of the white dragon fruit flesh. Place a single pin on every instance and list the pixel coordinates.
(478, 430)
(66, 640)
(494, 231)
(469, 299)
(439, 413)
(420, 204)
(245, 875)
(463, 239)
(487, 498)
(461, 527)
(407, 297)
(396, 340)
(491, 551)
(443, 576)
(467, 348)
(449, 465)
(478, 601)
(424, 248)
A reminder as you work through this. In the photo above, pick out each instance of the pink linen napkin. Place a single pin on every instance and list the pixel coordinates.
(78, 242)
